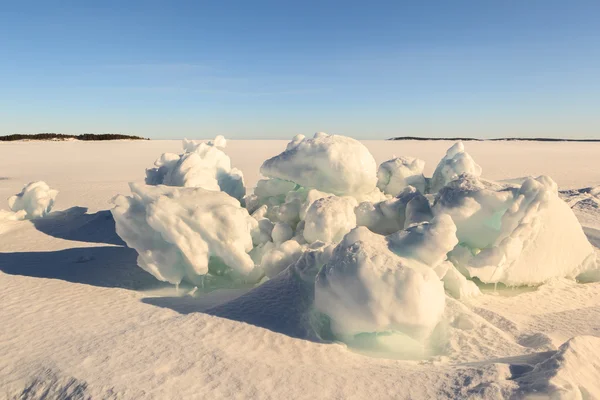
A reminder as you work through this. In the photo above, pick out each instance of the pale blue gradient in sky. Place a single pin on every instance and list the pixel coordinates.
(271, 69)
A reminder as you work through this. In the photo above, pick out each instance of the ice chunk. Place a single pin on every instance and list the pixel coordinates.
(329, 219)
(185, 233)
(455, 163)
(374, 283)
(202, 165)
(34, 201)
(391, 215)
(282, 232)
(331, 163)
(455, 283)
(516, 236)
(393, 176)
(278, 258)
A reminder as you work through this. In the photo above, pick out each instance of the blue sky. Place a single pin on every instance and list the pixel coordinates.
(271, 69)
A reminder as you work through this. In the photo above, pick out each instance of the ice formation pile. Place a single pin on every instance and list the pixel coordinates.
(34, 201)
(202, 165)
(380, 248)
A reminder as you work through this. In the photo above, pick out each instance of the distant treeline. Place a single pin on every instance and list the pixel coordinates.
(495, 139)
(60, 136)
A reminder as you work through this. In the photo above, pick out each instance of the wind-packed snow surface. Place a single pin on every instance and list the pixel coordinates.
(328, 247)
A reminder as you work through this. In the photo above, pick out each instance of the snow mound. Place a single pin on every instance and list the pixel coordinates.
(393, 176)
(455, 163)
(331, 163)
(34, 201)
(375, 283)
(571, 373)
(203, 165)
(516, 236)
(186, 233)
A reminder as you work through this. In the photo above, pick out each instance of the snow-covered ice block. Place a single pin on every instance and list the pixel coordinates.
(330, 163)
(34, 201)
(185, 233)
(517, 236)
(455, 163)
(329, 219)
(391, 215)
(203, 165)
(394, 175)
(375, 283)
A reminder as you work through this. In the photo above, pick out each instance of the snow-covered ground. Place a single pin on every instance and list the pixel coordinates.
(80, 319)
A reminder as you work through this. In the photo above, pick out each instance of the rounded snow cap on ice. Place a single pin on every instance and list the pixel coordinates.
(331, 163)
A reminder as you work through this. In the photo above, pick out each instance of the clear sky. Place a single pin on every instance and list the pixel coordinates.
(271, 69)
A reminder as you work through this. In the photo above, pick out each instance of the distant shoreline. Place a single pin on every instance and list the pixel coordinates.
(508, 139)
(63, 137)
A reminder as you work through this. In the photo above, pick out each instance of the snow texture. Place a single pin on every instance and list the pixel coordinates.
(329, 219)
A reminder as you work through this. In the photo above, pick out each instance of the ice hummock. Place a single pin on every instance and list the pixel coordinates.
(330, 163)
(34, 201)
(401, 242)
(186, 233)
(203, 165)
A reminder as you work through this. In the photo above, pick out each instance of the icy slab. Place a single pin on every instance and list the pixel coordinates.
(203, 165)
(516, 236)
(185, 233)
(455, 163)
(329, 219)
(330, 163)
(375, 283)
(34, 201)
(394, 175)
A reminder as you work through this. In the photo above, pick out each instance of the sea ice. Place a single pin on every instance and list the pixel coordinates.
(394, 175)
(185, 233)
(331, 163)
(375, 283)
(203, 165)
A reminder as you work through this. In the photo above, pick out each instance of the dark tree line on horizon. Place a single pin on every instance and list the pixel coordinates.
(84, 136)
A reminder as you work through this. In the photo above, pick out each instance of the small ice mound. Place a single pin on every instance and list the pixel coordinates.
(203, 165)
(329, 219)
(455, 163)
(330, 163)
(391, 215)
(190, 234)
(274, 258)
(515, 236)
(571, 373)
(455, 283)
(34, 201)
(393, 176)
(378, 284)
